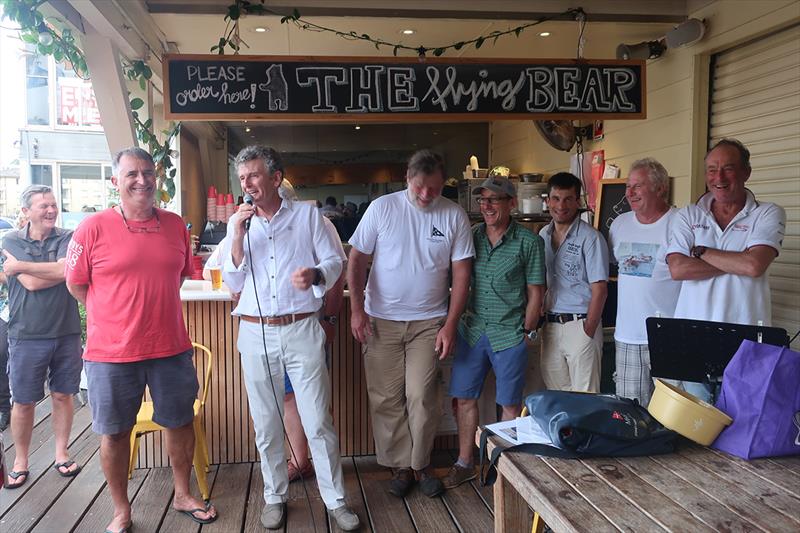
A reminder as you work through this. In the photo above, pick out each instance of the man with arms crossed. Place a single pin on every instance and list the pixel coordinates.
(638, 242)
(415, 238)
(501, 318)
(126, 264)
(577, 274)
(722, 245)
(44, 330)
(282, 266)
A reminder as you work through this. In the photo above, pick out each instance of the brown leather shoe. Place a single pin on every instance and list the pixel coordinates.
(458, 475)
(401, 482)
(430, 485)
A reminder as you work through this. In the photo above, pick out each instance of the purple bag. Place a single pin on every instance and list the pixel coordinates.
(761, 392)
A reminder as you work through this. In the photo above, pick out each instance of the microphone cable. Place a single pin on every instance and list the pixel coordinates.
(249, 252)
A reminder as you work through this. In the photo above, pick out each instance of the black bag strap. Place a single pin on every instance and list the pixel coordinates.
(490, 475)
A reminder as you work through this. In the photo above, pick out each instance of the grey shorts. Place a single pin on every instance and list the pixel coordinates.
(31, 361)
(116, 390)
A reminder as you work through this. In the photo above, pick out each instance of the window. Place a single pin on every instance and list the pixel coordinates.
(112, 194)
(37, 90)
(42, 175)
(81, 188)
(75, 101)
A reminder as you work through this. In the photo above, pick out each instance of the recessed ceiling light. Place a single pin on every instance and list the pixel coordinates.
(260, 29)
(544, 34)
(247, 129)
(408, 32)
(358, 127)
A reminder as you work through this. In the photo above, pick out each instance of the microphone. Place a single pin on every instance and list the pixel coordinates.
(249, 201)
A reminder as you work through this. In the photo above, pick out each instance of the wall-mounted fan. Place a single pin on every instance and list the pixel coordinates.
(562, 134)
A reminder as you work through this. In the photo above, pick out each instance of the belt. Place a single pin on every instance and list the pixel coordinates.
(563, 318)
(282, 320)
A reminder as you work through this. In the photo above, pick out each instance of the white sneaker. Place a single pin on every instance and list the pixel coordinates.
(346, 519)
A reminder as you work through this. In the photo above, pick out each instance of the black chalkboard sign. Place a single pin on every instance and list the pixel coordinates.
(611, 203)
(213, 87)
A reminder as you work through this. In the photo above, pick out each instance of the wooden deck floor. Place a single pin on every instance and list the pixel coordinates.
(51, 503)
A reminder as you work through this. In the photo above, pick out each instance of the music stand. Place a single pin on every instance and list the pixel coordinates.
(699, 350)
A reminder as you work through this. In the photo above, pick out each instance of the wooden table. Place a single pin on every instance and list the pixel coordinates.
(695, 489)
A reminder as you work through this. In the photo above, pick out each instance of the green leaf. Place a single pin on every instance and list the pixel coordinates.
(285, 19)
(136, 103)
(459, 45)
(395, 49)
(438, 51)
(170, 183)
(377, 46)
(173, 172)
(149, 123)
(233, 12)
(296, 14)
(147, 72)
(135, 114)
(29, 38)
(517, 31)
(365, 37)
(479, 42)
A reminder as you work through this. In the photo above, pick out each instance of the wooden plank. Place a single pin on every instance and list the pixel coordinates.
(649, 499)
(255, 500)
(466, 510)
(46, 488)
(728, 493)
(354, 498)
(561, 507)
(180, 523)
(387, 513)
(152, 500)
(40, 461)
(749, 482)
(301, 507)
(511, 510)
(229, 497)
(100, 512)
(773, 470)
(618, 511)
(70, 506)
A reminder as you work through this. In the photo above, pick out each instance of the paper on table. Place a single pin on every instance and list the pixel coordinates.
(520, 431)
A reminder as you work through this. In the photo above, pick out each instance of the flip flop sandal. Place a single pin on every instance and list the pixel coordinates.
(191, 513)
(16, 475)
(66, 464)
(123, 529)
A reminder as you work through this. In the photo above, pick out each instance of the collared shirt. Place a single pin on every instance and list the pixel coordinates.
(296, 237)
(730, 298)
(582, 259)
(500, 278)
(47, 313)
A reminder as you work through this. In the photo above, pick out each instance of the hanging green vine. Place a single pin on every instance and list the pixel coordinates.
(48, 39)
(247, 7)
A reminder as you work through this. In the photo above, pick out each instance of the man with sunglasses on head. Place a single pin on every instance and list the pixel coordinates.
(126, 264)
(44, 330)
(501, 318)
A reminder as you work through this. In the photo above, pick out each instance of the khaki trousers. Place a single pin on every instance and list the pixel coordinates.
(570, 360)
(402, 382)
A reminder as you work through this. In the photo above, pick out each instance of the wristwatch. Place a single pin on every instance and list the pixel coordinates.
(698, 251)
(331, 319)
(319, 279)
(530, 333)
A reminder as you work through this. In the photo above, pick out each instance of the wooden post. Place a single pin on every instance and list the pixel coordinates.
(511, 513)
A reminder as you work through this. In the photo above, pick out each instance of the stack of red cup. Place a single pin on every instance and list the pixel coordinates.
(211, 204)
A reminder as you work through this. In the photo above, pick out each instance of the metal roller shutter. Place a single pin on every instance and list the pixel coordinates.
(755, 97)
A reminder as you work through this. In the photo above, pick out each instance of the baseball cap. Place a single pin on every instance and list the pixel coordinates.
(497, 184)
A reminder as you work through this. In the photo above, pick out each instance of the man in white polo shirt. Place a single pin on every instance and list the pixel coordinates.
(416, 239)
(722, 245)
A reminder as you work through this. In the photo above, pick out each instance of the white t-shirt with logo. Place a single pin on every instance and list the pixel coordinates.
(645, 286)
(729, 297)
(412, 250)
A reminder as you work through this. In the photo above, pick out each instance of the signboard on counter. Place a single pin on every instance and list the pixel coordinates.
(360, 89)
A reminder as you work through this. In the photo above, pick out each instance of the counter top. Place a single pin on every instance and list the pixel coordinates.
(194, 290)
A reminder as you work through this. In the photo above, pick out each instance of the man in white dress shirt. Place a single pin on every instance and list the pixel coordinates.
(282, 266)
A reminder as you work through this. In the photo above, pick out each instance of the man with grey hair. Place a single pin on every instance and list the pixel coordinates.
(419, 243)
(281, 259)
(44, 330)
(722, 246)
(638, 243)
(126, 264)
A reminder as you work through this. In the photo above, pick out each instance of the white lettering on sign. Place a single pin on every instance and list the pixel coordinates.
(564, 89)
(321, 78)
(215, 73)
(365, 89)
(276, 88)
(400, 89)
(475, 90)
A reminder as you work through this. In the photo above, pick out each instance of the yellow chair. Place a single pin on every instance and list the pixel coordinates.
(145, 424)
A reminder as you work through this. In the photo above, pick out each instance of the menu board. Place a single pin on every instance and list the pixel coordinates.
(213, 87)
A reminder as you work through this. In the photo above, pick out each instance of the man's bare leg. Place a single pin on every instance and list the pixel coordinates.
(114, 456)
(180, 448)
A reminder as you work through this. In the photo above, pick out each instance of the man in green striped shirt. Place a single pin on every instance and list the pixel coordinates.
(507, 287)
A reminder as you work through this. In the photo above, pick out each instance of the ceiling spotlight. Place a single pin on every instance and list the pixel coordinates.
(247, 129)
(260, 29)
(358, 127)
(544, 34)
(408, 32)
(686, 33)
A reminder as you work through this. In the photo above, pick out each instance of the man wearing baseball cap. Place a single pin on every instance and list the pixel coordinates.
(502, 315)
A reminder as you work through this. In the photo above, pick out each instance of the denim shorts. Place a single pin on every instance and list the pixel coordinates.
(31, 361)
(116, 390)
(471, 364)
